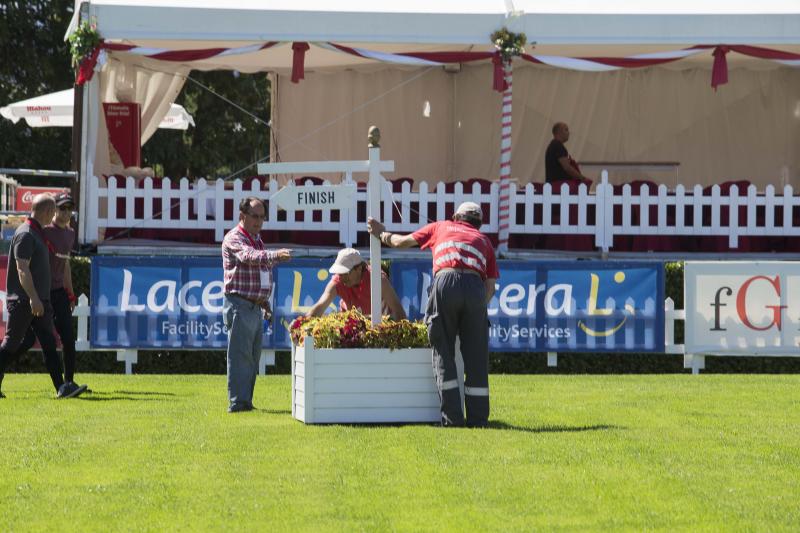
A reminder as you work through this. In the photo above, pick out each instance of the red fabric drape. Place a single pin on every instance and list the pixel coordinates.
(298, 61)
(86, 67)
(499, 84)
(719, 73)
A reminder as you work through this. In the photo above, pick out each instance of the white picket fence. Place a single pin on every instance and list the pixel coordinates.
(534, 210)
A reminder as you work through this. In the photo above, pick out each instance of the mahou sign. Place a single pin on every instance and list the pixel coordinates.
(742, 308)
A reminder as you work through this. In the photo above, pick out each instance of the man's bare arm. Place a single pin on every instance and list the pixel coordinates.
(569, 169)
(396, 310)
(318, 309)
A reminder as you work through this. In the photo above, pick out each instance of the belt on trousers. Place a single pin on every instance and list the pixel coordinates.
(462, 270)
(251, 300)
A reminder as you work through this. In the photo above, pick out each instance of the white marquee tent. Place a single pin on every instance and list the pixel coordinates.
(253, 36)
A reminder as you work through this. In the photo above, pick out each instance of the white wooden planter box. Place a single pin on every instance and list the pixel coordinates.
(358, 385)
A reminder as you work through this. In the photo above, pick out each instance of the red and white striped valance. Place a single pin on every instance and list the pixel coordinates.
(590, 64)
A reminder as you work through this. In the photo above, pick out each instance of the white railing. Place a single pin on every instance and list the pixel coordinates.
(130, 357)
(8, 193)
(535, 209)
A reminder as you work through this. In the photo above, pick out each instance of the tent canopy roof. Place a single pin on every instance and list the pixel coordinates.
(449, 22)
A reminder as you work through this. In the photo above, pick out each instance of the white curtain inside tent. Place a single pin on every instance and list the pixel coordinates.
(446, 126)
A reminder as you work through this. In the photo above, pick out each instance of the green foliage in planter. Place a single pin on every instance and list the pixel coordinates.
(351, 329)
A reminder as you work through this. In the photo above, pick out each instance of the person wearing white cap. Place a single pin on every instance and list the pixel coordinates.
(351, 283)
(465, 270)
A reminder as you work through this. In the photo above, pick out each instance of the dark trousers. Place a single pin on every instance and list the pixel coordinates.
(457, 308)
(62, 319)
(20, 323)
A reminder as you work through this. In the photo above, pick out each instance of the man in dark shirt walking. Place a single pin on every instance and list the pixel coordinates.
(62, 297)
(28, 295)
(559, 166)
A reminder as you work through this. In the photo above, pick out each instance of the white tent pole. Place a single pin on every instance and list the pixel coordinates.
(505, 162)
(374, 210)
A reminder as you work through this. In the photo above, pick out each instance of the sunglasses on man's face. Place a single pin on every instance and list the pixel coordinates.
(65, 207)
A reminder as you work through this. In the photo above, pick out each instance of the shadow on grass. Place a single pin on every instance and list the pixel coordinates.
(116, 398)
(499, 424)
(144, 393)
(274, 411)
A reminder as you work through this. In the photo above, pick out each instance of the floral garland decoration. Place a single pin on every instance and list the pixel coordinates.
(83, 42)
(508, 43)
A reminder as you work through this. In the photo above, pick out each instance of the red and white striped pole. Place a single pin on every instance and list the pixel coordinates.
(504, 203)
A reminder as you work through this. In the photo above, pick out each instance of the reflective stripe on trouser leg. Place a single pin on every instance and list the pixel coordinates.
(474, 334)
(442, 319)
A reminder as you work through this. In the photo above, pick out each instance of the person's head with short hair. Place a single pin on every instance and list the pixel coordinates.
(43, 208)
(471, 213)
(349, 266)
(252, 212)
(64, 205)
(561, 131)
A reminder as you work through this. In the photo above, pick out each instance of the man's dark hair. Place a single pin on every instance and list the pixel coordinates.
(556, 127)
(244, 205)
(473, 221)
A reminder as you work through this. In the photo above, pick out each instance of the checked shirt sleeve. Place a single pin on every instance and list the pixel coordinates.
(243, 251)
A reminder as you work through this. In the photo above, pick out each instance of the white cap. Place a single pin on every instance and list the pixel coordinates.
(470, 209)
(346, 260)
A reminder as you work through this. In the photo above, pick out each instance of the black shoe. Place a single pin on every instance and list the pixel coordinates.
(240, 408)
(2, 395)
(86, 390)
(70, 390)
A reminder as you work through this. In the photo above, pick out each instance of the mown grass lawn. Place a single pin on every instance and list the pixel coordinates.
(159, 453)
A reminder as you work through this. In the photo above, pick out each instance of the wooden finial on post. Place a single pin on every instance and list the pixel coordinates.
(374, 137)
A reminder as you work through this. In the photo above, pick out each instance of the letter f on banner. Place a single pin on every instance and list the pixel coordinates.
(741, 303)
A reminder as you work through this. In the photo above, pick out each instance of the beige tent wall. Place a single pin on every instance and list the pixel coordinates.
(748, 129)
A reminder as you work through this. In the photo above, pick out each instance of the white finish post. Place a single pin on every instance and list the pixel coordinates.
(130, 357)
(505, 163)
(552, 359)
(374, 210)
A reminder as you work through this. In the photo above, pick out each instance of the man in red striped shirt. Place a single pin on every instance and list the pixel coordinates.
(465, 270)
(247, 268)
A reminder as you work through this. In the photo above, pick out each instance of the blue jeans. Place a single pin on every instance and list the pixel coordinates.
(245, 323)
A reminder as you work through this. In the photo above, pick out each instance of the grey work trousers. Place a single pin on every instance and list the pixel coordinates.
(457, 308)
(245, 323)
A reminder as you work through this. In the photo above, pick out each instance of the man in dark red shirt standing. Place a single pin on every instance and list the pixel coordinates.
(247, 269)
(465, 270)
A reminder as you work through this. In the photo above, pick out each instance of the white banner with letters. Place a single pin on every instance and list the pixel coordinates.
(742, 307)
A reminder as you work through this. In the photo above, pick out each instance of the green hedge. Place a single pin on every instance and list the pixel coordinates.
(213, 362)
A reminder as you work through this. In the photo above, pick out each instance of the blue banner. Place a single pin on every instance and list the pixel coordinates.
(567, 306)
(298, 285)
(159, 302)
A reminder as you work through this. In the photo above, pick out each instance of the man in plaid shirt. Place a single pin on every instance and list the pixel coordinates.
(248, 281)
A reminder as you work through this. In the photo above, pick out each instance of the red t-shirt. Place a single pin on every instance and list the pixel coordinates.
(357, 297)
(458, 245)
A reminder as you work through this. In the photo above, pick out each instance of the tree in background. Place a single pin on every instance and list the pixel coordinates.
(35, 60)
(224, 139)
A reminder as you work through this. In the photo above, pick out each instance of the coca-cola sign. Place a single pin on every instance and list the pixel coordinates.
(25, 195)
